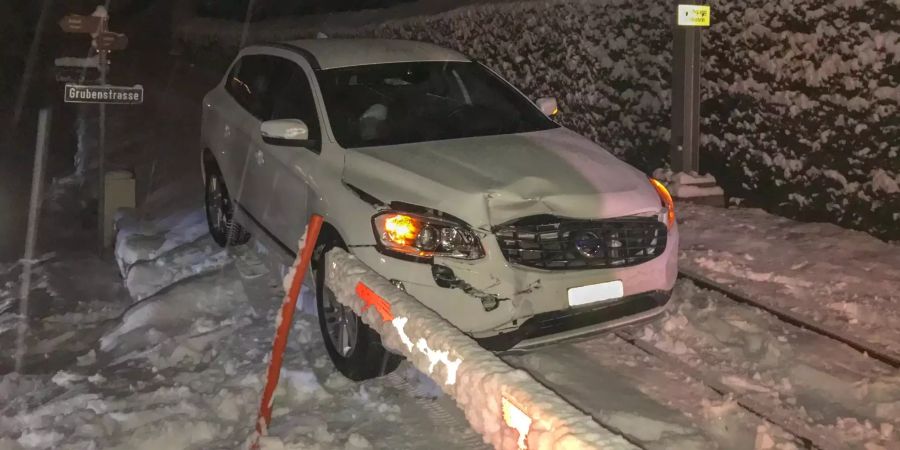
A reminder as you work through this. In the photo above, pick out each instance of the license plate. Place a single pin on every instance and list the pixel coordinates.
(594, 293)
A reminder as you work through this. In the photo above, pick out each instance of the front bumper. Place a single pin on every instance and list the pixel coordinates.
(574, 322)
(534, 303)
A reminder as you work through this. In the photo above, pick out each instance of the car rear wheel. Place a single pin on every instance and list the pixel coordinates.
(220, 211)
(354, 348)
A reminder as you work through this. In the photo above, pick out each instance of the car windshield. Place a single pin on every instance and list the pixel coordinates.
(398, 103)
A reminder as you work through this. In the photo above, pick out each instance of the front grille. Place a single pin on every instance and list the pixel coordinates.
(549, 242)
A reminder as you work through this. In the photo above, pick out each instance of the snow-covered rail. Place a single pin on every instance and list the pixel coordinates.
(508, 407)
(854, 342)
(809, 437)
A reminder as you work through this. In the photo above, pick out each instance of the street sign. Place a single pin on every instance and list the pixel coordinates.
(108, 40)
(693, 15)
(118, 95)
(77, 75)
(74, 23)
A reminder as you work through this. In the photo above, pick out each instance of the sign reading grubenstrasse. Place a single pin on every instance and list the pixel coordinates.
(122, 95)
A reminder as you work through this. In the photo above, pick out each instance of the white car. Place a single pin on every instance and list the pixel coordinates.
(442, 177)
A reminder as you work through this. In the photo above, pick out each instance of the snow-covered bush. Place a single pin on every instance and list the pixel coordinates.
(800, 99)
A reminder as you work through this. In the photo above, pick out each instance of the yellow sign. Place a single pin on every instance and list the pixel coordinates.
(693, 15)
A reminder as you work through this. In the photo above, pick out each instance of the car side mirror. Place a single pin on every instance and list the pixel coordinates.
(548, 106)
(286, 132)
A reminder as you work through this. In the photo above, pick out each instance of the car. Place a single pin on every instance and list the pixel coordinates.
(444, 179)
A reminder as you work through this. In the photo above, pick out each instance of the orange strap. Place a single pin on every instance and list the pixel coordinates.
(372, 299)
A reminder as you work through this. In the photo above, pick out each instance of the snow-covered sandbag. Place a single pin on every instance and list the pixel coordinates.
(145, 240)
(493, 395)
(152, 321)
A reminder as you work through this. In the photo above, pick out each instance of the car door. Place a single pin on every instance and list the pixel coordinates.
(283, 177)
(247, 85)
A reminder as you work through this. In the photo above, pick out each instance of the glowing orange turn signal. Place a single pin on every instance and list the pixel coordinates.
(667, 201)
(402, 229)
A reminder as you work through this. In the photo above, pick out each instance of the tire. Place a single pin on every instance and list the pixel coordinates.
(363, 357)
(220, 211)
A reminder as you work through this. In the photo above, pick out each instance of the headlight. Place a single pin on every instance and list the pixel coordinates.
(422, 236)
(668, 215)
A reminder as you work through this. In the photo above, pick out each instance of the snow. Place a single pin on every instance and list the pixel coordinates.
(882, 181)
(688, 191)
(688, 185)
(842, 279)
(805, 376)
(183, 368)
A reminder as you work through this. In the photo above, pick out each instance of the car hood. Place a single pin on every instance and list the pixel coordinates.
(490, 180)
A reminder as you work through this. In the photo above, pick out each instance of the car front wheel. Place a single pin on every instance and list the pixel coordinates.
(354, 348)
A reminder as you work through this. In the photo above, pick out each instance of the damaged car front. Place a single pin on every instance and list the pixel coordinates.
(516, 230)
(520, 239)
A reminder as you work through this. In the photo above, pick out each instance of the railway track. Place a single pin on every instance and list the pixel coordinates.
(825, 374)
(811, 438)
(797, 320)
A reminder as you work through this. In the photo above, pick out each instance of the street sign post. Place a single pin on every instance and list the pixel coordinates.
(103, 42)
(685, 136)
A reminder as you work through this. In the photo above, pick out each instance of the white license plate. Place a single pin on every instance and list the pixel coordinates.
(594, 293)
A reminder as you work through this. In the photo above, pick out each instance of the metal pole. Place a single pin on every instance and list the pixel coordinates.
(691, 102)
(101, 169)
(37, 182)
(685, 136)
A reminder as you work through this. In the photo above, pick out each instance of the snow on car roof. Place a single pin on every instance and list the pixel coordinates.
(334, 53)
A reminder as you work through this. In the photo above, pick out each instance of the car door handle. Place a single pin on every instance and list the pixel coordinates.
(260, 158)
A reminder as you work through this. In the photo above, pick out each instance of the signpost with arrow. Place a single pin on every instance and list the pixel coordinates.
(103, 42)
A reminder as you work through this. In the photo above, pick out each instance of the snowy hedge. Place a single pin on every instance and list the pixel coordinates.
(800, 99)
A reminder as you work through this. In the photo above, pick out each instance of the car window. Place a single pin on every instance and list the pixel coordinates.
(292, 97)
(249, 83)
(397, 103)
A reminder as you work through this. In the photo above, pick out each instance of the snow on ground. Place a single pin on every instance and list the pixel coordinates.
(155, 254)
(657, 407)
(844, 395)
(72, 298)
(845, 280)
(183, 369)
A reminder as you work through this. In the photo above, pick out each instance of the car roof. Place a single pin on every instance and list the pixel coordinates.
(333, 53)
